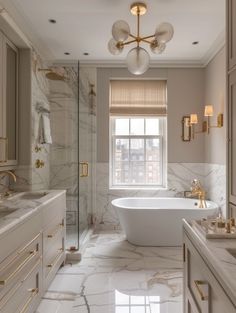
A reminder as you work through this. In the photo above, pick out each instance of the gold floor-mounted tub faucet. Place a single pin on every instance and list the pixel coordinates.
(197, 190)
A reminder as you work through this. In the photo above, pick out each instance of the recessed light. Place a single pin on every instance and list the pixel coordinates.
(85, 53)
(67, 53)
(195, 43)
(51, 20)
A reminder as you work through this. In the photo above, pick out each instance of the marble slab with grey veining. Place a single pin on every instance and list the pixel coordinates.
(215, 254)
(21, 206)
(115, 276)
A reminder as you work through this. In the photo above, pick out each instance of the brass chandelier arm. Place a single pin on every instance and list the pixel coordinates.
(145, 40)
(132, 36)
(128, 42)
(147, 37)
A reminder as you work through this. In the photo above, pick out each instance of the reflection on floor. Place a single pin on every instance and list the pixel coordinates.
(117, 277)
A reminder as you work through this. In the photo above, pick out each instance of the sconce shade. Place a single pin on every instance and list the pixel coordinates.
(193, 119)
(208, 110)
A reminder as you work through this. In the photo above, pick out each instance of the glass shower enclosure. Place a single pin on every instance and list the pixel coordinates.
(71, 154)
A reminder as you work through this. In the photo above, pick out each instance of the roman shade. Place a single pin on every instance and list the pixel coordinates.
(138, 97)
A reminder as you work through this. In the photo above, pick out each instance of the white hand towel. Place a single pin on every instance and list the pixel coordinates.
(44, 129)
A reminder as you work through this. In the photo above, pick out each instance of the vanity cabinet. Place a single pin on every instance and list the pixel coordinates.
(53, 239)
(231, 25)
(8, 102)
(21, 268)
(202, 291)
(30, 256)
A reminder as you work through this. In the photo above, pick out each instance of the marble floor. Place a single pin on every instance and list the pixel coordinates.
(117, 277)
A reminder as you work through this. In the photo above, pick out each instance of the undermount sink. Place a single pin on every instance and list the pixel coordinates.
(232, 252)
(31, 195)
(4, 212)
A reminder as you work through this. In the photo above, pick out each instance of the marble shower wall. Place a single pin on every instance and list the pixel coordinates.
(63, 100)
(29, 177)
(212, 176)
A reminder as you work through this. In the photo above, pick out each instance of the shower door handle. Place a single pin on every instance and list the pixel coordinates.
(84, 169)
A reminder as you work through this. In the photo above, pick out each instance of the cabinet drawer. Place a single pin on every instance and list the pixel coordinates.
(53, 254)
(54, 210)
(55, 229)
(17, 264)
(24, 297)
(201, 286)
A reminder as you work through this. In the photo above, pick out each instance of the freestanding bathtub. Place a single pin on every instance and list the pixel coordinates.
(158, 221)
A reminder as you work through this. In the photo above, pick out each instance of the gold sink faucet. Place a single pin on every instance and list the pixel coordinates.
(197, 190)
(8, 173)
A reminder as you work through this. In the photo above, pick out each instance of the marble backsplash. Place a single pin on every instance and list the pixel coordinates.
(212, 176)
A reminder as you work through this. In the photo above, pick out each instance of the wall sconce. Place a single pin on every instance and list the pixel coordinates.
(208, 112)
(189, 122)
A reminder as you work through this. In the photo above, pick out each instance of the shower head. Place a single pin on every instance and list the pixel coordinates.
(51, 74)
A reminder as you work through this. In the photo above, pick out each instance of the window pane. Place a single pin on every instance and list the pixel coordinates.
(152, 126)
(137, 149)
(137, 172)
(138, 309)
(122, 126)
(153, 150)
(137, 300)
(122, 309)
(153, 172)
(121, 172)
(122, 150)
(121, 298)
(137, 126)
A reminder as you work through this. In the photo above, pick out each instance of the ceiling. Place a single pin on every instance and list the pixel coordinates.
(85, 26)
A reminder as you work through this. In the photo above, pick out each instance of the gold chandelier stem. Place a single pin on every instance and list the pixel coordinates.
(138, 24)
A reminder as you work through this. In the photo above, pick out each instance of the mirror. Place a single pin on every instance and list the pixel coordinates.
(186, 129)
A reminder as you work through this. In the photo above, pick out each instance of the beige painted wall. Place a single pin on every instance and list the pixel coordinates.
(215, 87)
(185, 96)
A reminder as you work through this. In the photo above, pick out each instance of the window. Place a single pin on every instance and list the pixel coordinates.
(137, 138)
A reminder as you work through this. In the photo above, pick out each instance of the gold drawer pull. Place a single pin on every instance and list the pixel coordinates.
(60, 226)
(19, 267)
(56, 258)
(33, 293)
(199, 283)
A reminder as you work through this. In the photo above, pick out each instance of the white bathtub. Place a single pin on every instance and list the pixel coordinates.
(158, 221)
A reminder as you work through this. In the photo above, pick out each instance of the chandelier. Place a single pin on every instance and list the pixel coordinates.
(138, 59)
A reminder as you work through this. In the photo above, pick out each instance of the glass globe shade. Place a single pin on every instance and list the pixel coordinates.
(157, 47)
(113, 48)
(164, 32)
(120, 30)
(137, 61)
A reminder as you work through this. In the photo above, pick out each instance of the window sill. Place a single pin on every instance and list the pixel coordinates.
(157, 188)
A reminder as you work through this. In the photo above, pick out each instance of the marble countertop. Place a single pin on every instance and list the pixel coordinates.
(220, 261)
(23, 205)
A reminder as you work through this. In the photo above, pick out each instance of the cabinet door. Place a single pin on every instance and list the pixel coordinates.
(231, 19)
(232, 136)
(3, 140)
(10, 99)
(203, 293)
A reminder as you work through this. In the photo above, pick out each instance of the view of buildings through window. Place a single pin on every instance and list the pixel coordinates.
(137, 153)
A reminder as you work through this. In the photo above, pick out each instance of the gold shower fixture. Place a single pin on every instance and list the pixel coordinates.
(138, 58)
(51, 74)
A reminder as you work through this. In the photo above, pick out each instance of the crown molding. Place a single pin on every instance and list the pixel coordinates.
(216, 46)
